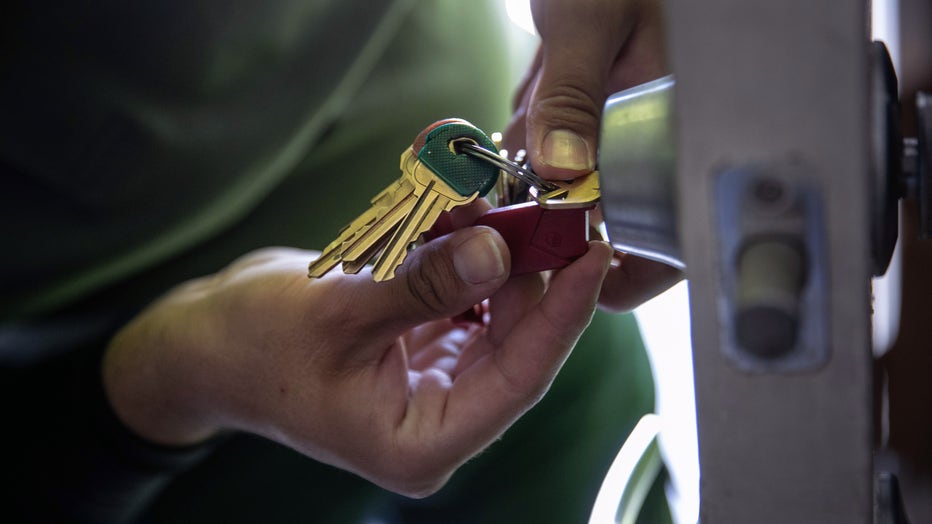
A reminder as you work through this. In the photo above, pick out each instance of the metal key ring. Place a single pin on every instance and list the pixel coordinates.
(512, 168)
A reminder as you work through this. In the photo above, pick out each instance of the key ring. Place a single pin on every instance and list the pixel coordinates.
(512, 168)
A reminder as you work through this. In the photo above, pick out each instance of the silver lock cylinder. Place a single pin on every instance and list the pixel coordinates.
(638, 172)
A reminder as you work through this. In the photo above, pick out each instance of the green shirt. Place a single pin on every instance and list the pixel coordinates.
(133, 134)
(144, 144)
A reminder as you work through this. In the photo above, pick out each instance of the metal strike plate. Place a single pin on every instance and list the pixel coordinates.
(775, 293)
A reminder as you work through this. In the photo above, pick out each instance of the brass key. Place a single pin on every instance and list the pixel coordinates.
(444, 177)
(582, 192)
(436, 177)
(357, 231)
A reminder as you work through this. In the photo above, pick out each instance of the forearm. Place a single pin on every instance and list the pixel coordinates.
(71, 458)
(152, 376)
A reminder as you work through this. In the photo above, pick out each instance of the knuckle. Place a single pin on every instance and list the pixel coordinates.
(516, 386)
(566, 104)
(430, 283)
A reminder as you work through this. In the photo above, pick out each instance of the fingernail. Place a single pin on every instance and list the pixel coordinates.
(566, 150)
(478, 259)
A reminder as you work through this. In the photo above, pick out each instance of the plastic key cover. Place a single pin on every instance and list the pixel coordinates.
(464, 173)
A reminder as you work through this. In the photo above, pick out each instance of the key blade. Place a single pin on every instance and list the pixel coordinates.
(333, 253)
(363, 238)
(351, 267)
(434, 196)
(370, 242)
(422, 216)
(579, 193)
(358, 247)
(327, 260)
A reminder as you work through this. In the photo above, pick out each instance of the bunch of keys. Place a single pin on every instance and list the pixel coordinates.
(452, 163)
(544, 223)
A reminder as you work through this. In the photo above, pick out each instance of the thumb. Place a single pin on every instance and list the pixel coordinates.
(578, 50)
(443, 278)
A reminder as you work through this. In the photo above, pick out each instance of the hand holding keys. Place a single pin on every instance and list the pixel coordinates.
(436, 177)
(450, 164)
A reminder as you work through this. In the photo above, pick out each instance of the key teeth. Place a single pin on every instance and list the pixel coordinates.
(322, 265)
(384, 269)
(383, 278)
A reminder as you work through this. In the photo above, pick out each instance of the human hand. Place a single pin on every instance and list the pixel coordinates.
(589, 50)
(370, 377)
